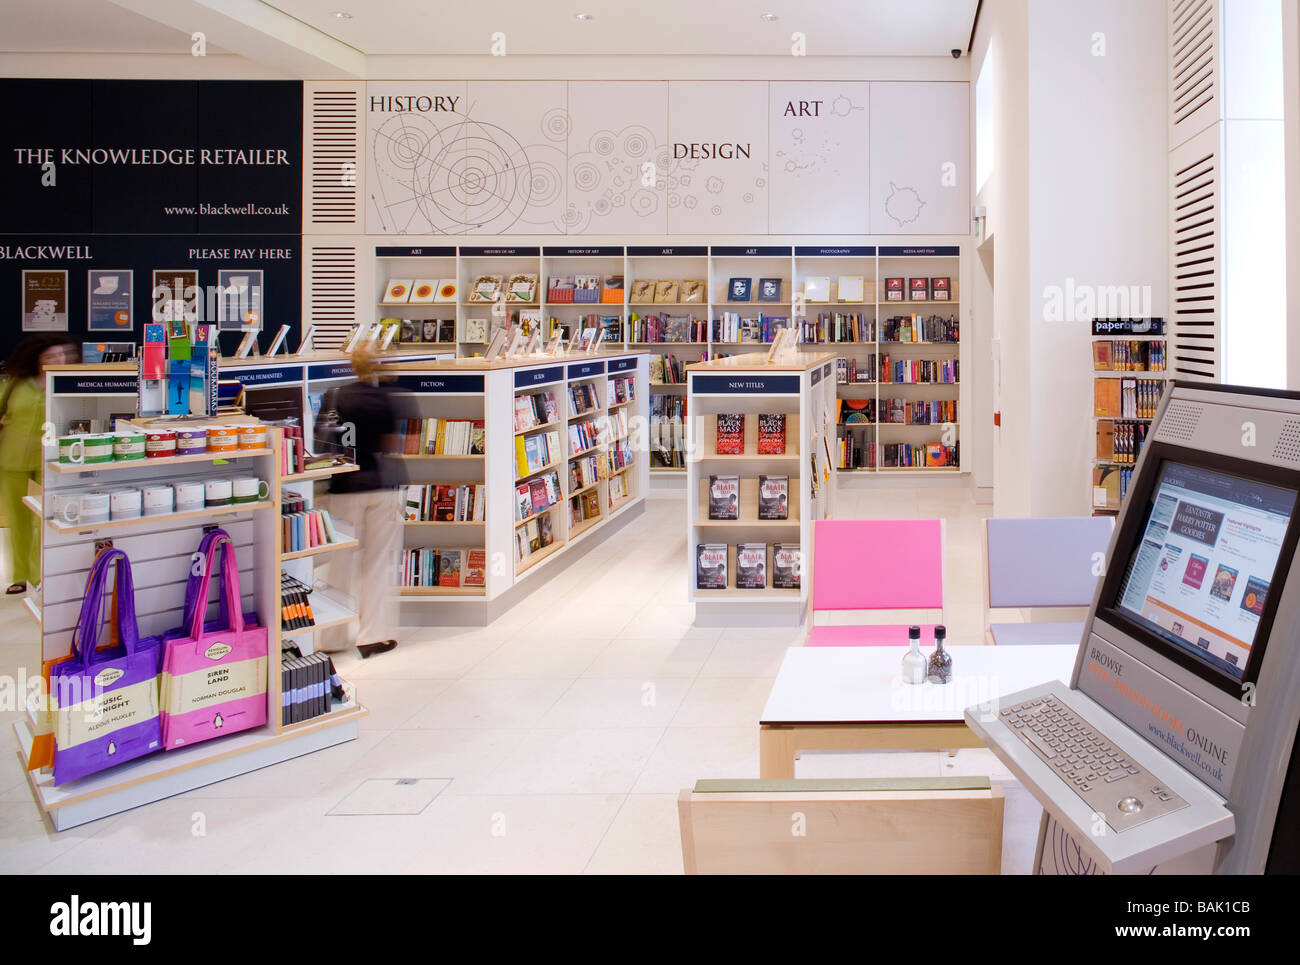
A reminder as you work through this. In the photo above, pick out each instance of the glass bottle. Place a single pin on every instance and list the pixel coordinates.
(941, 659)
(913, 660)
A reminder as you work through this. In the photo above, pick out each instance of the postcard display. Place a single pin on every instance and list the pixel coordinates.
(761, 437)
(161, 549)
(514, 467)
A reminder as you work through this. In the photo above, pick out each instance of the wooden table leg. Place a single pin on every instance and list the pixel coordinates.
(776, 754)
(779, 744)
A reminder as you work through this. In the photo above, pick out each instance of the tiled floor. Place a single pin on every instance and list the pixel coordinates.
(565, 729)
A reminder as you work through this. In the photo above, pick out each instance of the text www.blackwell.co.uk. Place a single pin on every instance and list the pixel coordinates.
(1203, 932)
(227, 209)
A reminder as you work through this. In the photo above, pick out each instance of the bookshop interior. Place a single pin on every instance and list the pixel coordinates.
(574, 441)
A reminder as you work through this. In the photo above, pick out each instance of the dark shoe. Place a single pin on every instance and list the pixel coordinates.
(370, 649)
(16, 588)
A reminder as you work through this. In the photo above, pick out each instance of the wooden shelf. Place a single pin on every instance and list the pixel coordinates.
(538, 471)
(346, 544)
(587, 524)
(160, 518)
(319, 473)
(748, 506)
(533, 559)
(537, 515)
(540, 427)
(442, 591)
(768, 595)
(584, 489)
(68, 469)
(586, 412)
(34, 504)
(342, 711)
(431, 455)
(588, 451)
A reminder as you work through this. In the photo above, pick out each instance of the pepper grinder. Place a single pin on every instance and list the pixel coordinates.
(940, 660)
(913, 660)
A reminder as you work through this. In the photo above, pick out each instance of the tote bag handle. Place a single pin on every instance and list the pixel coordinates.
(192, 582)
(92, 605)
(229, 593)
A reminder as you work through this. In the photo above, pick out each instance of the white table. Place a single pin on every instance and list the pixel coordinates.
(854, 698)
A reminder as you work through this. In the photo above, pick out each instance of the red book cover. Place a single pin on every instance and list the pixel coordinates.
(449, 568)
(893, 289)
(918, 289)
(476, 568)
(731, 434)
(771, 434)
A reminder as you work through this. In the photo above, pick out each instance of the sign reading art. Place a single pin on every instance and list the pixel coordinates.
(661, 157)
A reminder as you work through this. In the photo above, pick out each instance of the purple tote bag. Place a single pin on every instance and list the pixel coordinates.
(106, 700)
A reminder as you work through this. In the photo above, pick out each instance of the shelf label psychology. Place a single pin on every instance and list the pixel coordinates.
(623, 365)
(860, 251)
(745, 384)
(390, 251)
(826, 370)
(675, 251)
(330, 370)
(940, 251)
(816, 376)
(501, 252)
(582, 370)
(439, 383)
(753, 251)
(95, 385)
(264, 375)
(527, 377)
(610, 251)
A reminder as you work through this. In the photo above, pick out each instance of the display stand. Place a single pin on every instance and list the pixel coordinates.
(747, 385)
(160, 548)
(478, 389)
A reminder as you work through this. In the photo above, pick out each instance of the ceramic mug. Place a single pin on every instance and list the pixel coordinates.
(97, 448)
(158, 500)
(252, 437)
(249, 489)
(72, 450)
(189, 496)
(94, 507)
(128, 445)
(124, 503)
(65, 508)
(223, 438)
(191, 442)
(159, 444)
(218, 492)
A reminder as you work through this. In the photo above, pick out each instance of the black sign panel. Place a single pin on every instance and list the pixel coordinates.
(942, 251)
(585, 370)
(390, 251)
(95, 385)
(439, 383)
(1128, 326)
(602, 252)
(623, 365)
(500, 252)
(745, 384)
(264, 375)
(836, 252)
(673, 251)
(527, 377)
(816, 376)
(329, 370)
(766, 251)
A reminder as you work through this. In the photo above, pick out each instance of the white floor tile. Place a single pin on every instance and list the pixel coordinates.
(644, 839)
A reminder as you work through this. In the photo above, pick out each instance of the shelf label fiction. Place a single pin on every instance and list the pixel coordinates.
(583, 370)
(439, 383)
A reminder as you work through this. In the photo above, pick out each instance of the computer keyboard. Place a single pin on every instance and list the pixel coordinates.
(1113, 784)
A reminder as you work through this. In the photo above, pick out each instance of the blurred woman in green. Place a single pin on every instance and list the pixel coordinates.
(22, 419)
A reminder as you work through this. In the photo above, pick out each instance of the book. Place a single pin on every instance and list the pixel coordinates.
(522, 287)
(786, 561)
(642, 293)
(817, 288)
(893, 289)
(423, 291)
(724, 497)
(918, 289)
(486, 288)
(771, 434)
(398, 291)
(850, 288)
(751, 566)
(1106, 397)
(447, 288)
(711, 566)
(692, 291)
(475, 568)
(1101, 356)
(773, 497)
(731, 434)
(940, 289)
(476, 330)
(665, 291)
(449, 568)
(769, 289)
(738, 289)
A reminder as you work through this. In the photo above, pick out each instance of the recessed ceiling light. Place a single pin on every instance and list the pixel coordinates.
(769, 17)
(342, 16)
(583, 16)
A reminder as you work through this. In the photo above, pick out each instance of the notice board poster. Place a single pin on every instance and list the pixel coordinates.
(45, 301)
(108, 298)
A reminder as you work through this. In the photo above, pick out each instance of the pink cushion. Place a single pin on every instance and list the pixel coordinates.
(877, 564)
(867, 636)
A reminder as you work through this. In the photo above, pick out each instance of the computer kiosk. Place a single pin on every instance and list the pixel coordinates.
(1174, 747)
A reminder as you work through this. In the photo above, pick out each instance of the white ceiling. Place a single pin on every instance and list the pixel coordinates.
(858, 28)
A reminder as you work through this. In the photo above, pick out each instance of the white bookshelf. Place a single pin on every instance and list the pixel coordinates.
(804, 391)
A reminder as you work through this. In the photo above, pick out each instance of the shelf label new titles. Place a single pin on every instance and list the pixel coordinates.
(583, 370)
(95, 385)
(400, 252)
(745, 384)
(623, 365)
(868, 251)
(280, 375)
(531, 377)
(678, 251)
(439, 383)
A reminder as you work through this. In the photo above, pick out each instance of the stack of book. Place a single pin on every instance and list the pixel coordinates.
(441, 437)
(666, 328)
(583, 436)
(917, 328)
(857, 450)
(930, 455)
(536, 452)
(445, 503)
(933, 371)
(306, 687)
(295, 604)
(582, 399)
(838, 327)
(848, 370)
(536, 409)
(918, 413)
(303, 528)
(444, 567)
(621, 389)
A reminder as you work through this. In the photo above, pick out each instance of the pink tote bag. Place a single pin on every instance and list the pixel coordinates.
(214, 680)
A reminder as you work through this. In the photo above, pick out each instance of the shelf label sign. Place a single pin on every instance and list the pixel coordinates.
(500, 252)
(942, 251)
(826, 370)
(279, 375)
(868, 251)
(336, 370)
(816, 376)
(745, 384)
(680, 251)
(439, 383)
(95, 385)
(1128, 326)
(606, 252)
(762, 251)
(623, 365)
(584, 369)
(529, 377)
(400, 252)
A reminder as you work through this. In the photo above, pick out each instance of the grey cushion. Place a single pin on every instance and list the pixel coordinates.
(1015, 634)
